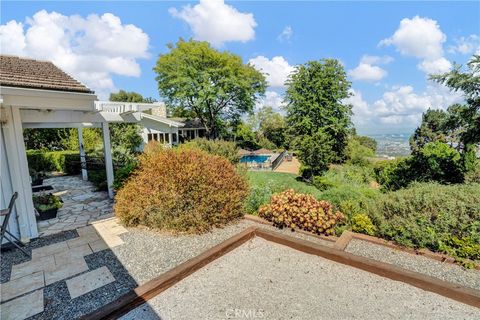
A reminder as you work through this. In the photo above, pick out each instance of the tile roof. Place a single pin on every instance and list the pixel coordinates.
(29, 73)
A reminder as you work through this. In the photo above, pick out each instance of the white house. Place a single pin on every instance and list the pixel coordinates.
(155, 123)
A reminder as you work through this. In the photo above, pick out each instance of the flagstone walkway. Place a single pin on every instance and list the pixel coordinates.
(82, 205)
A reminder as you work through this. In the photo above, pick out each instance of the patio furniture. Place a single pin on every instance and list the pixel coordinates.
(6, 213)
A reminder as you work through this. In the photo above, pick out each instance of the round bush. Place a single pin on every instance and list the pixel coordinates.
(295, 210)
(181, 190)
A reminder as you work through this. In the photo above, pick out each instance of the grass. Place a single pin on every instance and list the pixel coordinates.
(264, 184)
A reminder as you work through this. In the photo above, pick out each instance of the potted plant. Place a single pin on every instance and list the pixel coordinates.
(47, 205)
(37, 177)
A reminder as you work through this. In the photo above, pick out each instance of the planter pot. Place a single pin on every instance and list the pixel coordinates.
(47, 214)
(37, 182)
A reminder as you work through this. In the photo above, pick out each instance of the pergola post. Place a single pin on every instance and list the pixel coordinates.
(83, 161)
(20, 177)
(107, 151)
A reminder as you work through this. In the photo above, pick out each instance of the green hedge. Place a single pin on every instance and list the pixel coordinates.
(40, 160)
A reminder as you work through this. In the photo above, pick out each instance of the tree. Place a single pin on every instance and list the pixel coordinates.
(315, 97)
(271, 125)
(468, 116)
(367, 142)
(212, 85)
(125, 137)
(433, 128)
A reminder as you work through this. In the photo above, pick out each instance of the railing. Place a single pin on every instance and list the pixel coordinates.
(279, 160)
(121, 107)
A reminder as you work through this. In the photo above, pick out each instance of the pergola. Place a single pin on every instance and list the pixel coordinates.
(37, 94)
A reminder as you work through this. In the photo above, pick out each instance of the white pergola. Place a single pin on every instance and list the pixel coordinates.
(36, 108)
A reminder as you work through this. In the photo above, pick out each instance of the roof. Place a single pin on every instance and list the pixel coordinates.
(169, 121)
(35, 74)
(190, 123)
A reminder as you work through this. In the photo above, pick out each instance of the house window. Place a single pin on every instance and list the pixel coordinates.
(174, 138)
(155, 136)
(149, 137)
(167, 138)
(201, 133)
(161, 138)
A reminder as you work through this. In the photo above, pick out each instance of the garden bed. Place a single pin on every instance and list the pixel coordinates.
(252, 275)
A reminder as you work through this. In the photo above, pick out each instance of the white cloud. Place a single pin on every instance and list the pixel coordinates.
(272, 99)
(437, 66)
(375, 59)
(12, 39)
(216, 22)
(91, 49)
(466, 45)
(400, 106)
(367, 71)
(276, 70)
(421, 38)
(286, 34)
(418, 37)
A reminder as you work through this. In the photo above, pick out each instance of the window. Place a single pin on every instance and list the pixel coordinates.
(201, 133)
(155, 136)
(167, 138)
(149, 137)
(174, 138)
(161, 138)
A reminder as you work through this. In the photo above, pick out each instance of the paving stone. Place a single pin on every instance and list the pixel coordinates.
(83, 240)
(98, 245)
(73, 254)
(19, 286)
(46, 263)
(23, 307)
(66, 271)
(89, 281)
(49, 250)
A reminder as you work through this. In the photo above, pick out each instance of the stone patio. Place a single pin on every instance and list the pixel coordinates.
(82, 205)
(58, 265)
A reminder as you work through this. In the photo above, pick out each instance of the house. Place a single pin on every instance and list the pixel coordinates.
(155, 123)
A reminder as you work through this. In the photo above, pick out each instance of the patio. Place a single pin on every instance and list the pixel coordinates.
(82, 205)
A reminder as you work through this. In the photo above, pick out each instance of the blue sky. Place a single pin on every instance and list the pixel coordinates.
(387, 48)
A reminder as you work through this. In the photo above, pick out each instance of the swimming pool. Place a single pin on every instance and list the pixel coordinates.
(254, 158)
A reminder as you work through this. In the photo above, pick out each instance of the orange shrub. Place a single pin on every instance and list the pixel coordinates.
(181, 190)
(290, 209)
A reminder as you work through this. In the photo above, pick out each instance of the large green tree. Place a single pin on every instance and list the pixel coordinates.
(434, 127)
(317, 113)
(214, 86)
(271, 125)
(466, 81)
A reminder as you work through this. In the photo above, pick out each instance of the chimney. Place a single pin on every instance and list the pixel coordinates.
(160, 111)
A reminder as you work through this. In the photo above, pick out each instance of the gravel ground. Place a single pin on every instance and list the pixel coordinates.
(58, 304)
(147, 254)
(444, 271)
(265, 280)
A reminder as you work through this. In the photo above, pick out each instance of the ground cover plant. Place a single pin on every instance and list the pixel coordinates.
(442, 218)
(195, 191)
(296, 210)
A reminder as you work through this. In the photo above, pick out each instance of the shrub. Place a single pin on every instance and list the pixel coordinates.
(357, 153)
(123, 174)
(290, 209)
(395, 174)
(181, 190)
(442, 218)
(362, 223)
(437, 161)
(221, 148)
(46, 201)
(41, 160)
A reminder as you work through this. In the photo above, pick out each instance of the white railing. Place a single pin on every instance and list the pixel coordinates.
(122, 107)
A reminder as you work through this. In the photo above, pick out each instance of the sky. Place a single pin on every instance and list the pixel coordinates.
(388, 49)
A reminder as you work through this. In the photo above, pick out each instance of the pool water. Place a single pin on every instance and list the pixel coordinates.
(255, 158)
